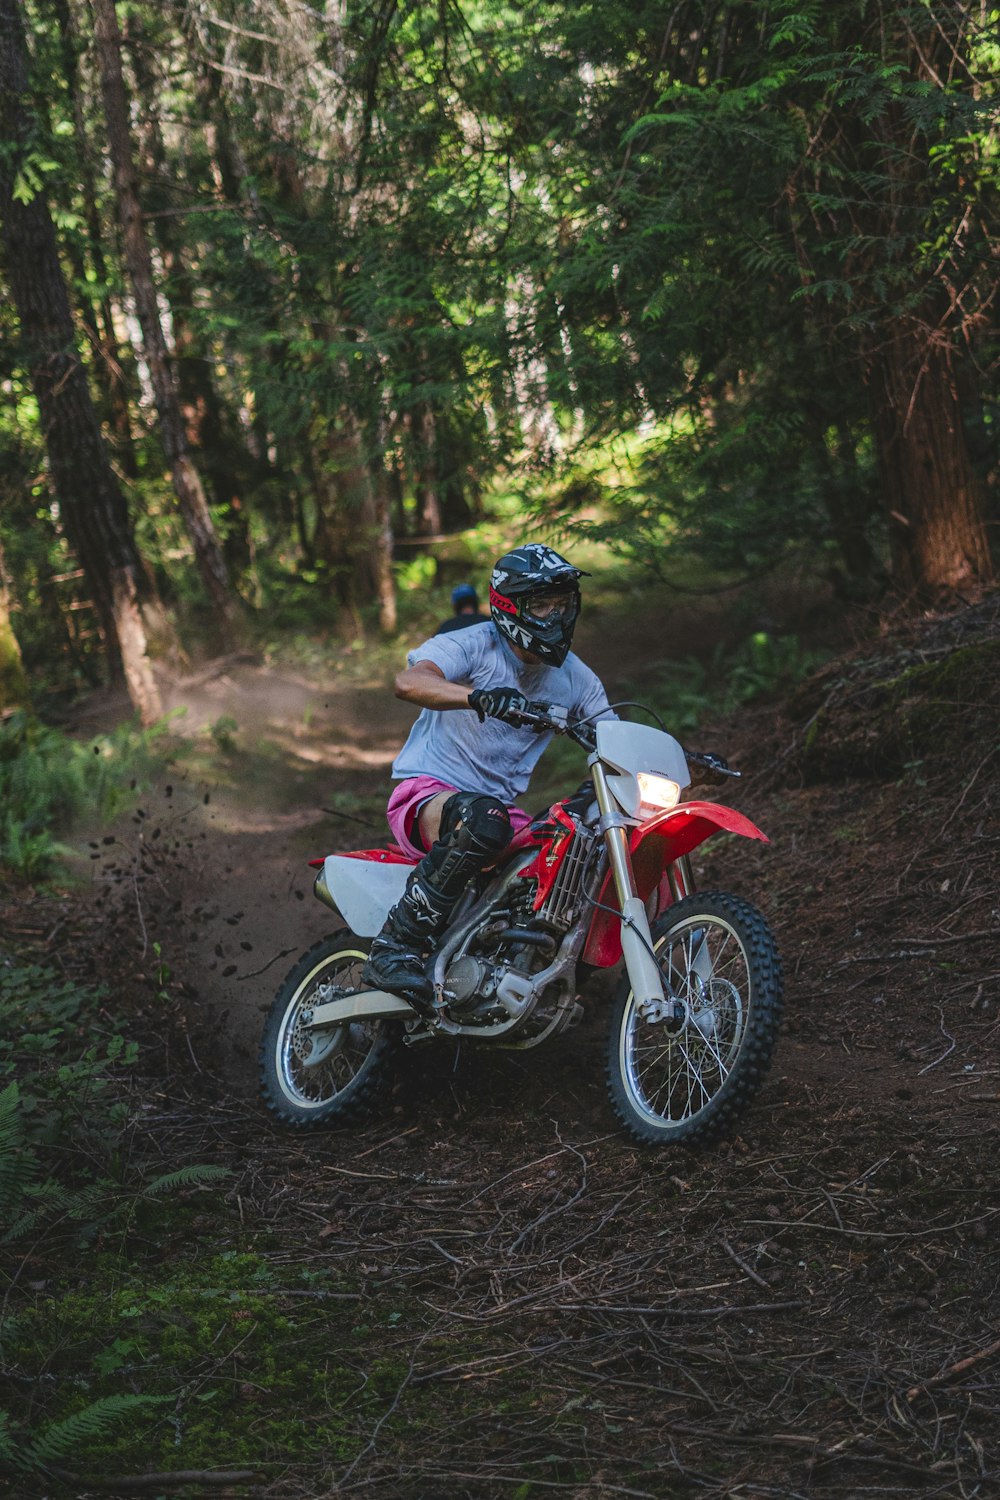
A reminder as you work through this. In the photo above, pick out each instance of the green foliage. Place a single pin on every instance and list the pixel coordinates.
(286, 1334)
(62, 1185)
(61, 1071)
(32, 1453)
(48, 779)
(223, 731)
(59, 1077)
(686, 693)
(446, 251)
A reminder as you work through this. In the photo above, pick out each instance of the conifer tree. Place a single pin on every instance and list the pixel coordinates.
(92, 505)
(184, 475)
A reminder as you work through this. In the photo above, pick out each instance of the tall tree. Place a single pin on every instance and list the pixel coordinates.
(92, 505)
(110, 361)
(833, 158)
(13, 683)
(135, 244)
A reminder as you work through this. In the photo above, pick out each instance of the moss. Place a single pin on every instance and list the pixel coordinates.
(248, 1361)
(219, 1347)
(930, 710)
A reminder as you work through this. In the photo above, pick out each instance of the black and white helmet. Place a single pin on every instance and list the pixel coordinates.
(535, 575)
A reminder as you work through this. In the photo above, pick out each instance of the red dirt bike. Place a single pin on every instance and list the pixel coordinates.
(603, 876)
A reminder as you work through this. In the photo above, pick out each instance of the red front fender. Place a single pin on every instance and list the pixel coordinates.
(684, 827)
(653, 846)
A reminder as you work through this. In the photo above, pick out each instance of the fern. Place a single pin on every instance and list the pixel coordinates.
(18, 1165)
(184, 1177)
(8, 1449)
(64, 1437)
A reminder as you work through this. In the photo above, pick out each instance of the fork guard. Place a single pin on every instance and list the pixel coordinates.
(654, 846)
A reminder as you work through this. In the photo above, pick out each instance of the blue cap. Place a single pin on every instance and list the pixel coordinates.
(464, 594)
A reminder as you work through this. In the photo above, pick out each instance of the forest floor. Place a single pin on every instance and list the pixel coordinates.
(492, 1291)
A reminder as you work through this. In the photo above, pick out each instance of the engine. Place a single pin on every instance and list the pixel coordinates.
(516, 941)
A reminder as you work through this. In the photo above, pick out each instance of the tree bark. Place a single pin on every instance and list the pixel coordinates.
(378, 526)
(222, 460)
(933, 497)
(186, 482)
(428, 500)
(13, 683)
(91, 502)
(354, 522)
(109, 367)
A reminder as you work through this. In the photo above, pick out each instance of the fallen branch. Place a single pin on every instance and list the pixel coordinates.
(953, 1370)
(128, 1485)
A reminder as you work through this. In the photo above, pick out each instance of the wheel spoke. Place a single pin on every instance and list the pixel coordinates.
(315, 1086)
(673, 1077)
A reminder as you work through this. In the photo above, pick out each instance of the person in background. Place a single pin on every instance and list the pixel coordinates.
(465, 603)
(472, 749)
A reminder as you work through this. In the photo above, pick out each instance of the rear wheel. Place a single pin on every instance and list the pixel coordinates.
(334, 1076)
(690, 1084)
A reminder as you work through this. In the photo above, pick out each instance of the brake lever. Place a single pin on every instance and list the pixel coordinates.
(711, 762)
(555, 717)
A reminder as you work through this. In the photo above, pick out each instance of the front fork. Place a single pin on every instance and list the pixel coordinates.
(637, 940)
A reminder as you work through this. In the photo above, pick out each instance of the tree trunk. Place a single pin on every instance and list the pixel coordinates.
(13, 683)
(425, 441)
(203, 412)
(932, 494)
(109, 367)
(354, 522)
(186, 483)
(92, 505)
(378, 525)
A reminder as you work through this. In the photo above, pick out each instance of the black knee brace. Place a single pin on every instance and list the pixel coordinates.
(475, 829)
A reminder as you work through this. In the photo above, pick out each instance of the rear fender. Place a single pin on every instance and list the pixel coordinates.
(363, 886)
(654, 846)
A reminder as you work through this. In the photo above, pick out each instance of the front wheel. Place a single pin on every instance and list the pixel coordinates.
(690, 1083)
(334, 1076)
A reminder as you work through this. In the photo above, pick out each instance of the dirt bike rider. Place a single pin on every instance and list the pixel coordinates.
(458, 775)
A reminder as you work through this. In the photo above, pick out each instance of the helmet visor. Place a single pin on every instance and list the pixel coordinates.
(552, 604)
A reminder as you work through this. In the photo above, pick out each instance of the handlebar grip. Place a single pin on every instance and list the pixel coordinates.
(709, 761)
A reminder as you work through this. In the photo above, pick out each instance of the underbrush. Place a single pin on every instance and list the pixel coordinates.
(762, 665)
(68, 1200)
(684, 694)
(47, 779)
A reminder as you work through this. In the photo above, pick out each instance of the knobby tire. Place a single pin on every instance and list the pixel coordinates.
(729, 1043)
(292, 1093)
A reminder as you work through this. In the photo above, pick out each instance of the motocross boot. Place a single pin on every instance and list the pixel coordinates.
(398, 956)
(474, 830)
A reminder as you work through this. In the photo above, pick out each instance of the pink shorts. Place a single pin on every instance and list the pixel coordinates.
(404, 809)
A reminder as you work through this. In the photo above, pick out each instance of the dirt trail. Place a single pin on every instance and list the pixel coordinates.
(752, 1321)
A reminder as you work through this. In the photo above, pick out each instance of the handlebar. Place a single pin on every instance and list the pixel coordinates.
(553, 716)
(710, 762)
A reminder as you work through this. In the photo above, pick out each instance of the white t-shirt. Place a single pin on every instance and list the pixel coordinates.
(493, 757)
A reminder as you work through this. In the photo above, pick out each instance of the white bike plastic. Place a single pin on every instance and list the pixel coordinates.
(362, 890)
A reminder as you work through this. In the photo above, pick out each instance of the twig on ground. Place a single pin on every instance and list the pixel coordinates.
(950, 1050)
(754, 1276)
(956, 1369)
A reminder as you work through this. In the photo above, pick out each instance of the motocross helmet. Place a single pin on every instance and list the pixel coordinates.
(524, 576)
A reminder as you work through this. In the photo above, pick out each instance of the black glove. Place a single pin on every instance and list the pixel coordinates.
(499, 703)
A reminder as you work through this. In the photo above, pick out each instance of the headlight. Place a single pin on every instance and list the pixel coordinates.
(656, 793)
